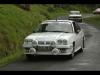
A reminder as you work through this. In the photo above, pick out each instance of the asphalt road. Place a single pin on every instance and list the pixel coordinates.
(87, 61)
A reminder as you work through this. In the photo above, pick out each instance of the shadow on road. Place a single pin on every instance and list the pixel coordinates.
(47, 58)
(50, 58)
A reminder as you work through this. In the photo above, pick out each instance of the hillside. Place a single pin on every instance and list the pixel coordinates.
(16, 24)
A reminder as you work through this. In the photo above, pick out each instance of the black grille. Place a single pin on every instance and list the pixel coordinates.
(75, 17)
(47, 42)
(44, 48)
(41, 42)
(44, 42)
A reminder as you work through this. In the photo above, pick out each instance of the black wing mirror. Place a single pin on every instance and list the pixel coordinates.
(77, 31)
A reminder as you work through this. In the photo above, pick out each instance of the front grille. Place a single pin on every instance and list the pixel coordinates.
(48, 42)
(75, 17)
(44, 42)
(41, 42)
(44, 49)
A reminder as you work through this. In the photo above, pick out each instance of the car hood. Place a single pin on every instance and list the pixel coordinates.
(49, 36)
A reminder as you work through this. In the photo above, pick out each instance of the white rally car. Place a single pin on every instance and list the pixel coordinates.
(55, 37)
(75, 15)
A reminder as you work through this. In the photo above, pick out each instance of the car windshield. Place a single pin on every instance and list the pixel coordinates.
(56, 27)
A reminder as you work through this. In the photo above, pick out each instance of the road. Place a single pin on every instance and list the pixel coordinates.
(87, 61)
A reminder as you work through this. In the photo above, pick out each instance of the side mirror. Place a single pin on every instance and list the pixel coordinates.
(78, 31)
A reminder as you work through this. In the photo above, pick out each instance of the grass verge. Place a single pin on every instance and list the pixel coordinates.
(11, 58)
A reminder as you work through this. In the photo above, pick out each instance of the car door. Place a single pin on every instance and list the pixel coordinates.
(78, 34)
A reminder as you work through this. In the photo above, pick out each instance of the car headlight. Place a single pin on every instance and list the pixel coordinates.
(62, 42)
(30, 41)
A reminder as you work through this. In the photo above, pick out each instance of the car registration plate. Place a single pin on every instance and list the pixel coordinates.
(44, 48)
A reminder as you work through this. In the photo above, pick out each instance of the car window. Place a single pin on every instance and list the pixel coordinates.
(59, 27)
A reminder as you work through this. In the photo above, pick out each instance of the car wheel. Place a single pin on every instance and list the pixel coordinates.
(82, 47)
(71, 56)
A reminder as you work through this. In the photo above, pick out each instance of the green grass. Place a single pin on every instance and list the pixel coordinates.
(95, 21)
(18, 55)
(16, 24)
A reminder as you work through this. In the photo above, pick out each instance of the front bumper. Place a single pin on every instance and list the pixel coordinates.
(58, 50)
(47, 53)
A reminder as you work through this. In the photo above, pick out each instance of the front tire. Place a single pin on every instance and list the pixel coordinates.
(83, 45)
(71, 56)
